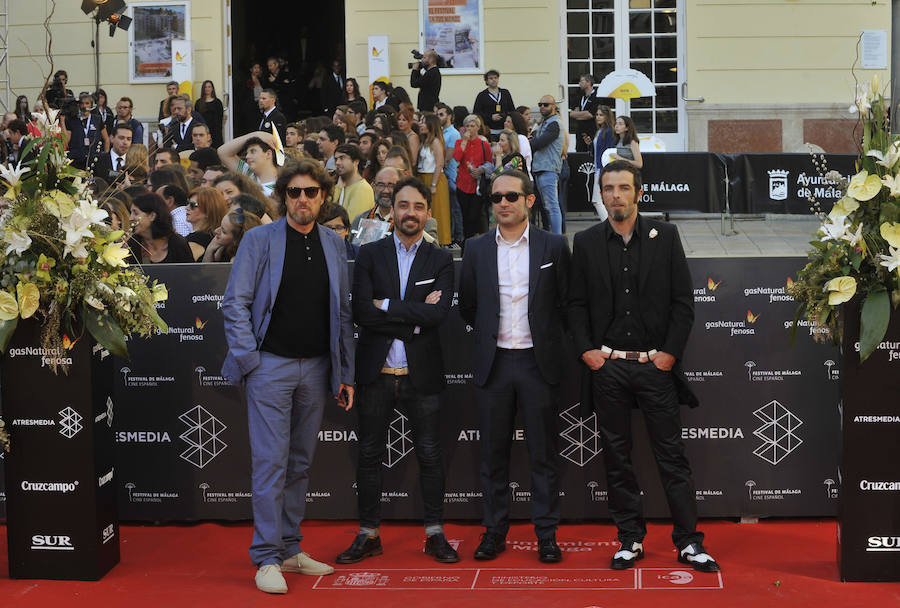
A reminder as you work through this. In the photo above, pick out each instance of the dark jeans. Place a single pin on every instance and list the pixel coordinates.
(376, 403)
(618, 386)
(516, 382)
(472, 207)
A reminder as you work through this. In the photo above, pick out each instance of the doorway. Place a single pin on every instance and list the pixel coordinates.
(645, 35)
(306, 36)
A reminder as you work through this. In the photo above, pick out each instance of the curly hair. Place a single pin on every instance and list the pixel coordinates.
(309, 168)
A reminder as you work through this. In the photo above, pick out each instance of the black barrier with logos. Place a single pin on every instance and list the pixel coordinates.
(764, 442)
(60, 505)
(696, 181)
(673, 181)
(870, 505)
(783, 183)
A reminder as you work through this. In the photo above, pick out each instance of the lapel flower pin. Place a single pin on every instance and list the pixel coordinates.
(653, 233)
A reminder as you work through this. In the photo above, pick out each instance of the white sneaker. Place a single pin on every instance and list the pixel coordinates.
(270, 580)
(302, 563)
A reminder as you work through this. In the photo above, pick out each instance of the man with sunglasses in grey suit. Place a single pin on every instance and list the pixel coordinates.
(289, 329)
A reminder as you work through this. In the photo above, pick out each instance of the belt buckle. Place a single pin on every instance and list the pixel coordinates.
(631, 355)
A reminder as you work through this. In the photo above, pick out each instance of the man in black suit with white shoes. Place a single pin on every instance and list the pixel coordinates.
(513, 292)
(402, 289)
(630, 313)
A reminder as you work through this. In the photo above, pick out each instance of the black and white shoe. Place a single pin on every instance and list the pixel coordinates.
(625, 557)
(696, 556)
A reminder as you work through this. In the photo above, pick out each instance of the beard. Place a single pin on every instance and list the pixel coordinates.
(302, 216)
(620, 215)
(409, 229)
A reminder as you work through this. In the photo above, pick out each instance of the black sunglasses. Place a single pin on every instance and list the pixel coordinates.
(544, 104)
(193, 204)
(512, 197)
(309, 191)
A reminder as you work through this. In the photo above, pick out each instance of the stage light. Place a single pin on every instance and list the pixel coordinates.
(109, 11)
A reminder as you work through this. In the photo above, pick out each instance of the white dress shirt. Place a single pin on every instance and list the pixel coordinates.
(115, 160)
(512, 275)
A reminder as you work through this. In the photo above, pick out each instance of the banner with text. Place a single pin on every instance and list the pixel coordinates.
(764, 442)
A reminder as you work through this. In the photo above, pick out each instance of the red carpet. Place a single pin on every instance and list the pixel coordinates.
(783, 563)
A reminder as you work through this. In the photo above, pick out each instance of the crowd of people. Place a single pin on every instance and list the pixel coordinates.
(288, 204)
(456, 152)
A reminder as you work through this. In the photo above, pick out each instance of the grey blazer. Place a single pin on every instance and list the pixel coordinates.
(250, 298)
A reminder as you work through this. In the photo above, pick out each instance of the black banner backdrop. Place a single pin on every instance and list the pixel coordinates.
(695, 181)
(765, 440)
(673, 181)
(782, 183)
(870, 506)
(62, 516)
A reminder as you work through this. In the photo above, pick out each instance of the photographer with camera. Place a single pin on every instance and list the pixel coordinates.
(86, 134)
(426, 76)
(57, 93)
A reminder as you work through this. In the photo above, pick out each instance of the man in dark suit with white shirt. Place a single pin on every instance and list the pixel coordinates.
(402, 289)
(333, 88)
(513, 292)
(179, 134)
(111, 165)
(631, 309)
(271, 115)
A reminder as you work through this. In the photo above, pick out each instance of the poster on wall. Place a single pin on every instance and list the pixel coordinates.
(454, 28)
(155, 26)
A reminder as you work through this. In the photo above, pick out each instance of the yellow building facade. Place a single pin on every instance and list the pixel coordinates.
(773, 74)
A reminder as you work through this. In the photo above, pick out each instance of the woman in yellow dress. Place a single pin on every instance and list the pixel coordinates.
(431, 172)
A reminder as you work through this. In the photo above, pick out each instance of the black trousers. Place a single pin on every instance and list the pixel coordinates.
(376, 403)
(618, 386)
(516, 382)
(472, 206)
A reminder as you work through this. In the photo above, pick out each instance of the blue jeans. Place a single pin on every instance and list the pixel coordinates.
(285, 402)
(376, 403)
(563, 190)
(548, 184)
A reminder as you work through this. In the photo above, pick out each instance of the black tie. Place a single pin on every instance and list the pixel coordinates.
(119, 164)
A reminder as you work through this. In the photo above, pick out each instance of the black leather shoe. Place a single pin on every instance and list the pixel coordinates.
(437, 546)
(490, 547)
(696, 556)
(363, 546)
(626, 556)
(548, 550)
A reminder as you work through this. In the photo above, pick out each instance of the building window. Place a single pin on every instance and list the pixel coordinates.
(591, 42)
(604, 35)
(653, 50)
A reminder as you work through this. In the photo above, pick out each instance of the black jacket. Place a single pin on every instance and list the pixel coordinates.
(485, 106)
(429, 85)
(479, 300)
(376, 276)
(173, 134)
(102, 166)
(664, 286)
(332, 93)
(275, 118)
